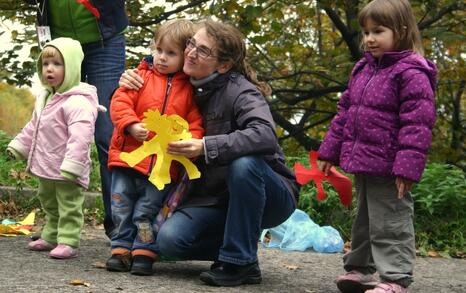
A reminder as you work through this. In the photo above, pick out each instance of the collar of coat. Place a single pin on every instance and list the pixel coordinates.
(387, 59)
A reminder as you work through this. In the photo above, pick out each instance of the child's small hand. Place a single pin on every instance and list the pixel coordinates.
(403, 185)
(13, 154)
(10, 154)
(138, 131)
(325, 167)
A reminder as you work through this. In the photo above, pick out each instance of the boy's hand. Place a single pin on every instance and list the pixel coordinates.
(131, 80)
(325, 166)
(138, 131)
(403, 185)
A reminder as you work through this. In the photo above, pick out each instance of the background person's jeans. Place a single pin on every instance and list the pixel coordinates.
(103, 64)
(258, 199)
(135, 203)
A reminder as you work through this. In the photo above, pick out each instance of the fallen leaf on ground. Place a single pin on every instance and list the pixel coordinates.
(78, 282)
(291, 267)
(99, 265)
(433, 253)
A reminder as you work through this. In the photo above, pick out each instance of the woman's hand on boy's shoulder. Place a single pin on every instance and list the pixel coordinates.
(131, 80)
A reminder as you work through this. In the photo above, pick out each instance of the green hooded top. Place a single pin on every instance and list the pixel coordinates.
(73, 56)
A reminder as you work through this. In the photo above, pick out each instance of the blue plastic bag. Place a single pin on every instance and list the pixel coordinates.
(300, 233)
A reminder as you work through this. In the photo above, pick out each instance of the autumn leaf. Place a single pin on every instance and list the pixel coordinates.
(99, 265)
(291, 267)
(79, 282)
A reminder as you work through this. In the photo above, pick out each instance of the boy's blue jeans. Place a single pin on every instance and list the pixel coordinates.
(135, 204)
(103, 64)
(258, 199)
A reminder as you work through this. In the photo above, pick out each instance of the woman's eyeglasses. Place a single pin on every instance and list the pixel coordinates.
(201, 51)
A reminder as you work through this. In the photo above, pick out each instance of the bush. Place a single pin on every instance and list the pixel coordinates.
(440, 209)
(329, 211)
(439, 202)
(13, 172)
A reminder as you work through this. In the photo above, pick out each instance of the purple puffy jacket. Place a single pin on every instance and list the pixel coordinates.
(385, 118)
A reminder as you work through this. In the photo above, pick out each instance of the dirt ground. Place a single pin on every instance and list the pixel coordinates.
(22, 270)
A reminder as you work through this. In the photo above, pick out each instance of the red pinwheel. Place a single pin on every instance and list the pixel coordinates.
(341, 183)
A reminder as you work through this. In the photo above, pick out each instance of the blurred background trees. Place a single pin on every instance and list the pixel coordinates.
(304, 49)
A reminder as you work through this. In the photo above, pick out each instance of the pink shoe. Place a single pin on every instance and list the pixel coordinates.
(388, 288)
(356, 282)
(41, 245)
(63, 251)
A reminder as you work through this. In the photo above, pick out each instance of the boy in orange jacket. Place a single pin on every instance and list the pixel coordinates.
(135, 201)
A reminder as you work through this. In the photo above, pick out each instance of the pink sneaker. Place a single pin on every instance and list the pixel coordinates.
(356, 282)
(388, 288)
(63, 251)
(41, 245)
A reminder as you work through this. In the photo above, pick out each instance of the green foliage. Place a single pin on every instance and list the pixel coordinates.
(440, 209)
(329, 211)
(304, 49)
(95, 215)
(13, 172)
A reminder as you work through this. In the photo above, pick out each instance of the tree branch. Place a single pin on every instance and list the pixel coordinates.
(167, 14)
(445, 10)
(348, 35)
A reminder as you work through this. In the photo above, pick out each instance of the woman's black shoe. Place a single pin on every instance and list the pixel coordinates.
(119, 262)
(232, 275)
(142, 265)
(216, 264)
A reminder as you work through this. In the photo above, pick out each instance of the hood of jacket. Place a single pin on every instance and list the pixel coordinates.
(73, 56)
(406, 60)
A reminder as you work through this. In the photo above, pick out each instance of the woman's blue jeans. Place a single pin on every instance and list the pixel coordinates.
(258, 199)
(103, 64)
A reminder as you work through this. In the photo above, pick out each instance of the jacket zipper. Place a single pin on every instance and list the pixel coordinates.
(167, 92)
(356, 115)
(164, 105)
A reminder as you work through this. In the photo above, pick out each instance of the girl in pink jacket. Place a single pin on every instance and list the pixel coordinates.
(56, 143)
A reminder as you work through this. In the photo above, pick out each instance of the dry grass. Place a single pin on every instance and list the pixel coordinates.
(16, 108)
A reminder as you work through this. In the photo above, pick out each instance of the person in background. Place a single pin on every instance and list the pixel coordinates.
(56, 144)
(245, 185)
(99, 26)
(135, 200)
(382, 133)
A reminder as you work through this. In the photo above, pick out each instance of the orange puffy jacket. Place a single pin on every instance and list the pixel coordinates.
(169, 94)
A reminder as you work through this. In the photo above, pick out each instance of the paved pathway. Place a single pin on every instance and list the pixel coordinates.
(26, 271)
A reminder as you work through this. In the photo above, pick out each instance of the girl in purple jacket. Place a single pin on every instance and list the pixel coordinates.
(382, 133)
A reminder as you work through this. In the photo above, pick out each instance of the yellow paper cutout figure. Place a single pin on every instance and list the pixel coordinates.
(167, 129)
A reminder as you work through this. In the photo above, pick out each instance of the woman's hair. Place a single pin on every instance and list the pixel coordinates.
(230, 47)
(398, 16)
(176, 31)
